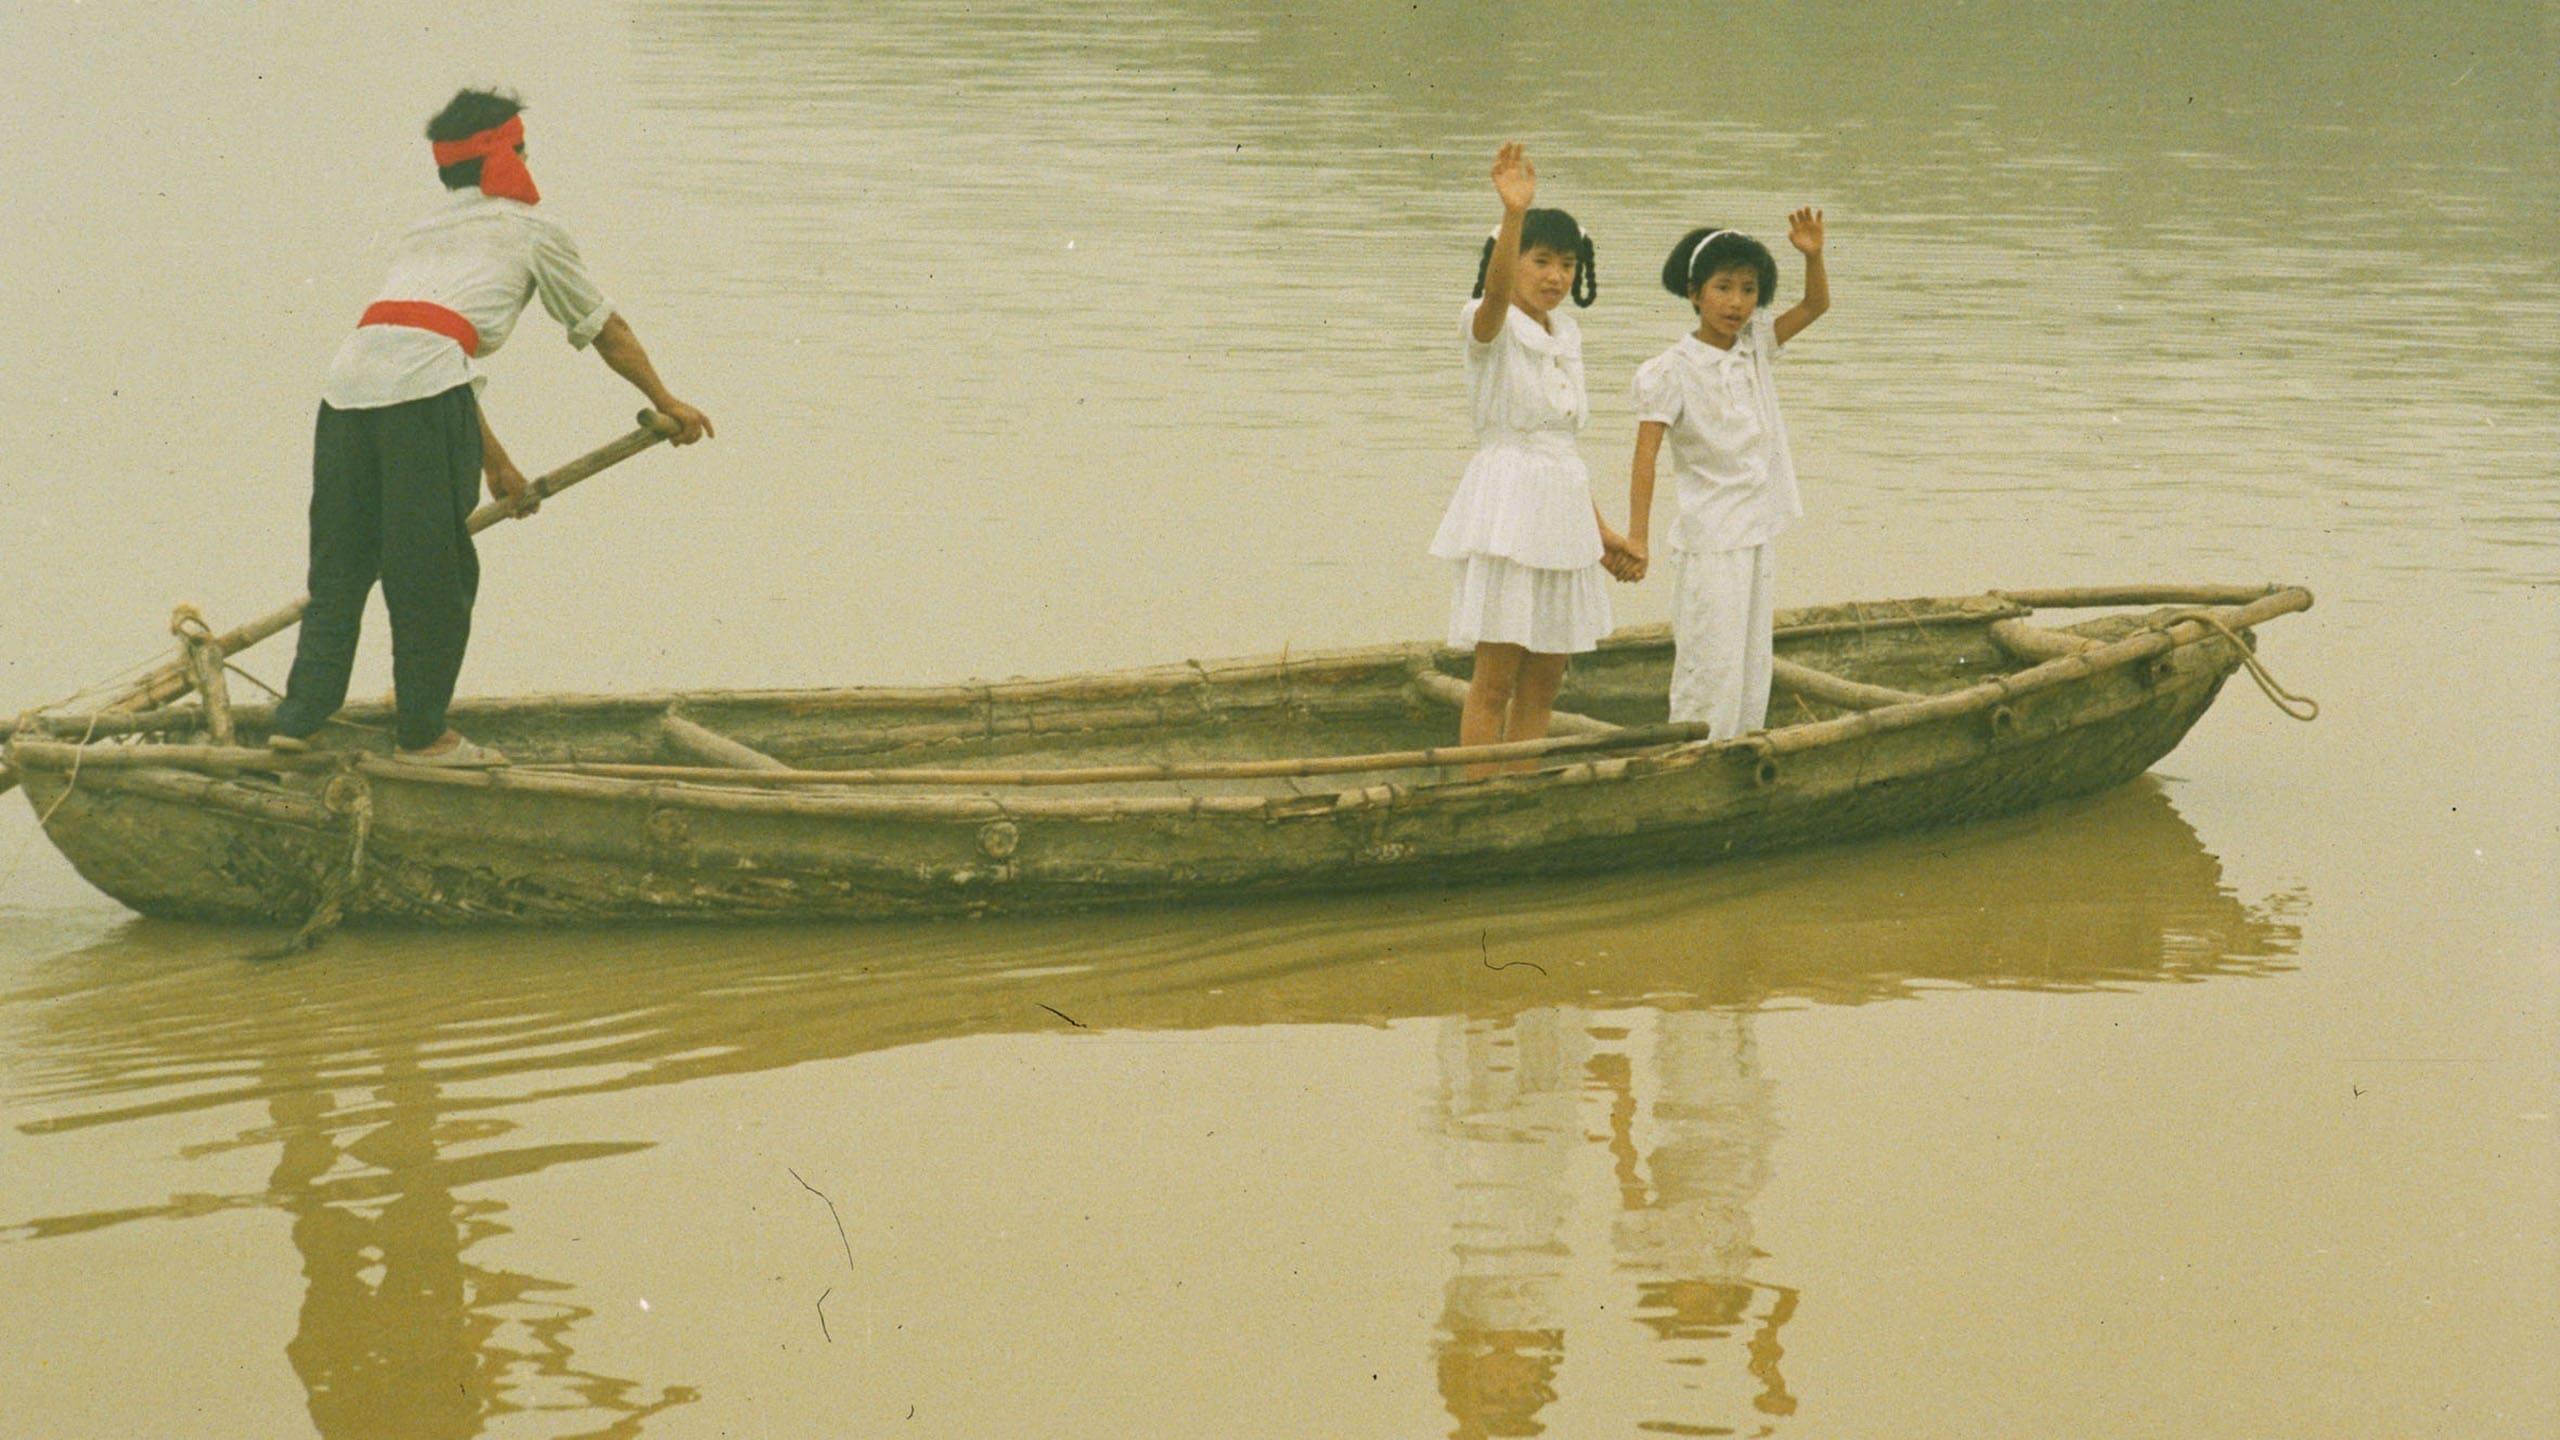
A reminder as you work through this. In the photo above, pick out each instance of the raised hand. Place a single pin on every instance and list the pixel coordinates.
(1514, 178)
(1804, 230)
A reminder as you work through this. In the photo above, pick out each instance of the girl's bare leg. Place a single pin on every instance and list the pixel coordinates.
(1490, 697)
(1533, 701)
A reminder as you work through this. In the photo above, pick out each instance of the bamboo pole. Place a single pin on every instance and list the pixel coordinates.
(2084, 597)
(175, 677)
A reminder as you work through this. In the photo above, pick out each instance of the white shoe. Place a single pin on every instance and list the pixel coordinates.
(463, 755)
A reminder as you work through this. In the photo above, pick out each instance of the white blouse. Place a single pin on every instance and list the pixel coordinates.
(484, 258)
(1734, 478)
(1527, 378)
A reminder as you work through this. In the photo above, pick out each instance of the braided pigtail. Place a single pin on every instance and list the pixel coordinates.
(1484, 262)
(1586, 275)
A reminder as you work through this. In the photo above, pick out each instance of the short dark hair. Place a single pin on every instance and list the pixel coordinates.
(1685, 271)
(467, 114)
(1558, 232)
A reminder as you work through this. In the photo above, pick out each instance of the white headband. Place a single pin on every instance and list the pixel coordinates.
(1695, 255)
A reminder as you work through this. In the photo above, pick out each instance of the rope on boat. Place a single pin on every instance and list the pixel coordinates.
(70, 782)
(356, 803)
(2268, 685)
(252, 679)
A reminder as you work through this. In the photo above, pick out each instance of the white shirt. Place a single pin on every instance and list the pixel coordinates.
(484, 258)
(1735, 479)
(1527, 378)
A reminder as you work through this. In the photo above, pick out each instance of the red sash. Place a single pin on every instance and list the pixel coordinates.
(424, 315)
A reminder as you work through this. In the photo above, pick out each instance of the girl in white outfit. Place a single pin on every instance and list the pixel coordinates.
(1715, 396)
(1527, 540)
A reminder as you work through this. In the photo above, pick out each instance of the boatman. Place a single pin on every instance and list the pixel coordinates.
(401, 446)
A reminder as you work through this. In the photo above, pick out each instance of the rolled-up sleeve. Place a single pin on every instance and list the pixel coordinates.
(568, 292)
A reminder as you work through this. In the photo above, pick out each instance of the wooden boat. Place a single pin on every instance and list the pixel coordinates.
(1296, 773)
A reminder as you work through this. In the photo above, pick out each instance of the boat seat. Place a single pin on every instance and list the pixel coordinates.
(711, 747)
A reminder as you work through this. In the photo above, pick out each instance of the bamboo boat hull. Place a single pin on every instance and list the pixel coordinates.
(537, 845)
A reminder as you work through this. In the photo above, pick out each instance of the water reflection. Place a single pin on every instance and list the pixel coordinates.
(1515, 1112)
(1509, 1096)
(388, 1068)
(397, 1329)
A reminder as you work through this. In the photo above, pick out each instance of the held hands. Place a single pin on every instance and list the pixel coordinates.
(1804, 230)
(1621, 556)
(1514, 178)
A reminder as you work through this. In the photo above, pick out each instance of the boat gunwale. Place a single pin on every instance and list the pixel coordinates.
(1189, 675)
(1660, 747)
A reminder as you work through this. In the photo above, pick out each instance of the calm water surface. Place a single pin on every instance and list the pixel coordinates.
(1050, 337)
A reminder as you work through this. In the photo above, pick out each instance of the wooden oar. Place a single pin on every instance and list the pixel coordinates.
(173, 679)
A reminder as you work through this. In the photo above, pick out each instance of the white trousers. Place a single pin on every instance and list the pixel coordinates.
(1721, 614)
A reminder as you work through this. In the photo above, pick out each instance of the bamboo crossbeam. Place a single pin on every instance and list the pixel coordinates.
(1447, 689)
(103, 724)
(2035, 644)
(713, 747)
(1814, 684)
(218, 759)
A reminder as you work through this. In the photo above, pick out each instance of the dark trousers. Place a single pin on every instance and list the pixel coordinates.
(390, 490)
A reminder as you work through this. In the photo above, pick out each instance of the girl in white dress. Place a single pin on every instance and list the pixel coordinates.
(1715, 397)
(1527, 541)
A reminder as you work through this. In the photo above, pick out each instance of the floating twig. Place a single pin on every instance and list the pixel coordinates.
(1063, 1015)
(1484, 950)
(831, 1210)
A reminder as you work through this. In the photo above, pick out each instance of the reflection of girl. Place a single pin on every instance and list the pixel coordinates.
(1509, 1103)
(1715, 397)
(1526, 538)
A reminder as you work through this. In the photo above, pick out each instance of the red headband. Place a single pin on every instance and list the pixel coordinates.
(502, 171)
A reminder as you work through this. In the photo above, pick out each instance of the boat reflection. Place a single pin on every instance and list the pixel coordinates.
(388, 1070)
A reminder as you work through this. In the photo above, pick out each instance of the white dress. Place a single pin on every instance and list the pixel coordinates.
(1520, 529)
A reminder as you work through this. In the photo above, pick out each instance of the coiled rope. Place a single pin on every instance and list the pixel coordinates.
(2268, 685)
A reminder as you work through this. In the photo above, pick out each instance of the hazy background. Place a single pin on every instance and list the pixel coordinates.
(1055, 337)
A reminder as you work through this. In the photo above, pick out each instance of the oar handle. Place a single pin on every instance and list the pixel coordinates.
(654, 426)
